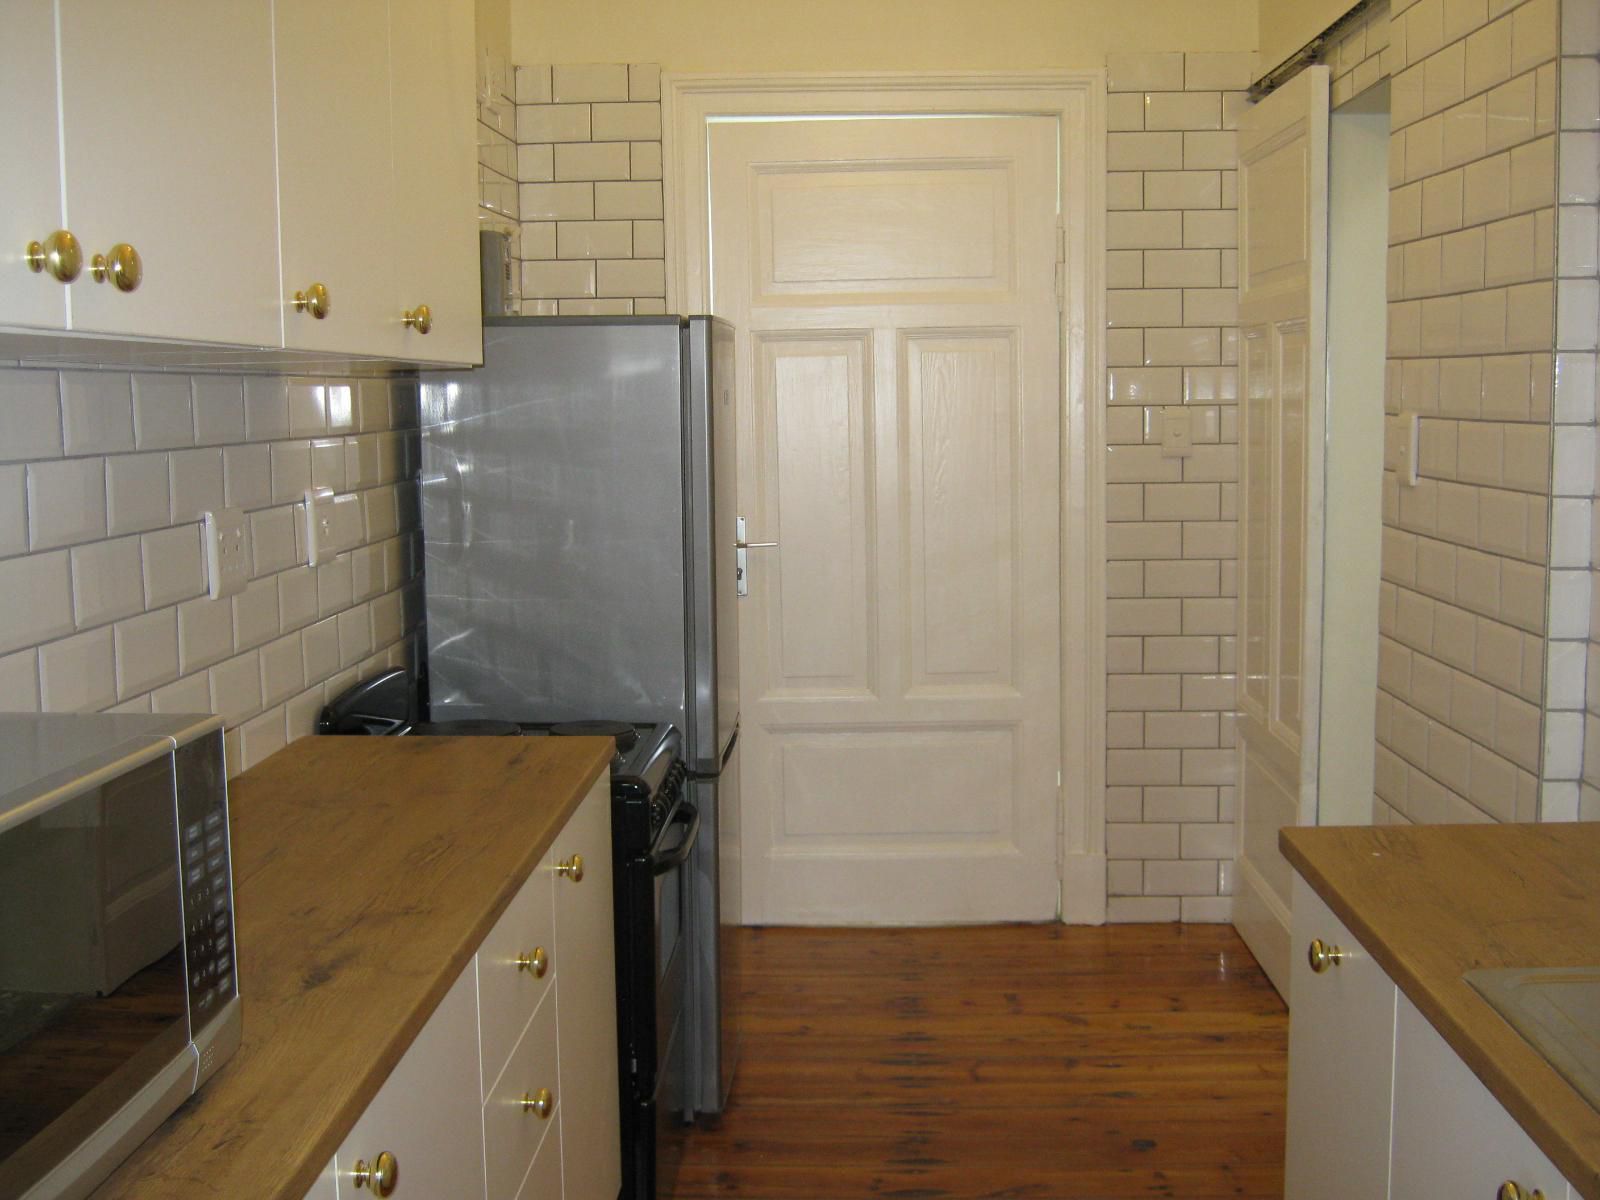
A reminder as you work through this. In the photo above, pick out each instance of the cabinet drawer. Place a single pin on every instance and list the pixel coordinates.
(508, 993)
(544, 1177)
(513, 1134)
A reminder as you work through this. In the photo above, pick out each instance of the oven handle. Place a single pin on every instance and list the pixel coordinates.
(663, 861)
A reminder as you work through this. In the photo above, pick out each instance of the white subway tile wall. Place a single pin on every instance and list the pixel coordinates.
(588, 163)
(100, 553)
(1466, 634)
(498, 206)
(1170, 537)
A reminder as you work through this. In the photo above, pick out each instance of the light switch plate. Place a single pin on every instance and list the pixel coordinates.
(1177, 434)
(227, 569)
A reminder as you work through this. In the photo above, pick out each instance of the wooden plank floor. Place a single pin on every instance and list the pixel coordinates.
(1001, 1061)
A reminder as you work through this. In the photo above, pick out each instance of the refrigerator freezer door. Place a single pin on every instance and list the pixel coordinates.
(552, 508)
(715, 940)
(710, 450)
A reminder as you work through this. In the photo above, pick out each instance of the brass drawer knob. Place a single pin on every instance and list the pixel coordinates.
(381, 1176)
(1512, 1190)
(572, 868)
(1323, 956)
(121, 266)
(419, 318)
(59, 254)
(314, 300)
(540, 1102)
(535, 964)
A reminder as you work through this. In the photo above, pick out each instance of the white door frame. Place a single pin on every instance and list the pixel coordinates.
(1076, 99)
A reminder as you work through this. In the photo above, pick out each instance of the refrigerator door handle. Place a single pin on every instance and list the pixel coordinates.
(741, 560)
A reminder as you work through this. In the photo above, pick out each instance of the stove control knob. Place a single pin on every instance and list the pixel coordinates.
(572, 868)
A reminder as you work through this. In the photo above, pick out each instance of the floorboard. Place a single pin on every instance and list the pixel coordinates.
(1025, 1061)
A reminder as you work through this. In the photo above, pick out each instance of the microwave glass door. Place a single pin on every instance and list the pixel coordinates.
(93, 996)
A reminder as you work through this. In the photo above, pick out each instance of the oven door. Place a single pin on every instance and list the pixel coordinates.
(91, 966)
(669, 1096)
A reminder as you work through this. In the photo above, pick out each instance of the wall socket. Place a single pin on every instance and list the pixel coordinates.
(227, 567)
(1177, 433)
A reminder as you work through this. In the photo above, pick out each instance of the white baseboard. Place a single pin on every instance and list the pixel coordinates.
(1263, 923)
(1083, 889)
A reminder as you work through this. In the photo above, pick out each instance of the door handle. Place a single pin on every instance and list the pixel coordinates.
(741, 562)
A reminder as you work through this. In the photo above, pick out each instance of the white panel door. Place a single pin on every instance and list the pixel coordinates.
(435, 180)
(30, 186)
(893, 284)
(150, 110)
(1283, 174)
(336, 174)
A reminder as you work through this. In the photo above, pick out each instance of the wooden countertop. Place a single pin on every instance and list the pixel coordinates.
(366, 873)
(1430, 902)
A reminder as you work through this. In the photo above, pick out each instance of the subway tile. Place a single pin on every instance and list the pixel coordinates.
(1144, 72)
(291, 471)
(1124, 112)
(297, 598)
(66, 502)
(78, 674)
(247, 475)
(173, 568)
(39, 599)
(1182, 110)
(1210, 151)
(1220, 71)
(163, 412)
(628, 122)
(632, 200)
(589, 81)
(218, 409)
(536, 164)
(30, 415)
(96, 412)
(266, 407)
(146, 651)
(592, 160)
(236, 687)
(644, 160)
(1535, 34)
(557, 201)
(106, 581)
(195, 482)
(1144, 152)
(547, 123)
(644, 81)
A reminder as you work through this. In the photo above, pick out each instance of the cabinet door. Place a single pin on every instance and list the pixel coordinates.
(167, 128)
(30, 186)
(435, 179)
(428, 1113)
(335, 172)
(1341, 1056)
(586, 996)
(1451, 1137)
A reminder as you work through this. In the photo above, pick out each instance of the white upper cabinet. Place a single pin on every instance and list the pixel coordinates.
(336, 209)
(30, 186)
(149, 134)
(435, 181)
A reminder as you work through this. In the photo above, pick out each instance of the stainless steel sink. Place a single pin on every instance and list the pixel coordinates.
(1557, 1009)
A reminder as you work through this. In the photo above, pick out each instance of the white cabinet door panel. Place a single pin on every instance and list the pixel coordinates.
(168, 146)
(586, 992)
(509, 994)
(428, 1113)
(1451, 1137)
(30, 186)
(335, 173)
(1341, 1057)
(513, 1134)
(435, 179)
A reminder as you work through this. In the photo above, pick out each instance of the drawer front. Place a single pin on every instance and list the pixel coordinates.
(508, 993)
(544, 1177)
(512, 1134)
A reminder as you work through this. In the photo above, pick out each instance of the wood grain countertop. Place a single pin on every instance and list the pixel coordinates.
(366, 873)
(1431, 902)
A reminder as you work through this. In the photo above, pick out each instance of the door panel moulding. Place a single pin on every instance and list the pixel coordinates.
(1076, 100)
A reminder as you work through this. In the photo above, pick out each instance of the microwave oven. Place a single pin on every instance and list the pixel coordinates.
(118, 994)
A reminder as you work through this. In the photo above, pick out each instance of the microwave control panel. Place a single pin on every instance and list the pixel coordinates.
(207, 878)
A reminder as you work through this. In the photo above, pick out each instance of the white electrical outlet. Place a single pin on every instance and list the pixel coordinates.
(1177, 433)
(1400, 448)
(333, 524)
(227, 570)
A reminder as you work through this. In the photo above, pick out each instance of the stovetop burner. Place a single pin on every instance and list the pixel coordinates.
(626, 735)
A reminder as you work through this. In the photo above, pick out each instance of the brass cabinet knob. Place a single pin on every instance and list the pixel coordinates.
(536, 963)
(540, 1102)
(121, 265)
(419, 318)
(1512, 1190)
(1323, 956)
(572, 868)
(381, 1176)
(59, 254)
(314, 300)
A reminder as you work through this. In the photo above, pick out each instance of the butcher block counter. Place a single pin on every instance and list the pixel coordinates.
(367, 871)
(1431, 902)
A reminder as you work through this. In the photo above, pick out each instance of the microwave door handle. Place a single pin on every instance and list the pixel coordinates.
(662, 861)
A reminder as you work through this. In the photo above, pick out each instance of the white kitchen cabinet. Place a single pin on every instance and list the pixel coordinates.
(335, 173)
(154, 133)
(1451, 1137)
(586, 992)
(435, 247)
(427, 1114)
(1379, 1104)
(1341, 1059)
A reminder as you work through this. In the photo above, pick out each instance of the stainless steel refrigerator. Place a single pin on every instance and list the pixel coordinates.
(578, 513)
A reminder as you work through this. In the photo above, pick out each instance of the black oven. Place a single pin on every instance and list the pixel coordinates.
(654, 828)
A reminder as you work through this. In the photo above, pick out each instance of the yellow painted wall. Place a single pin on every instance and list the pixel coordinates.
(872, 35)
(494, 27)
(1286, 25)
